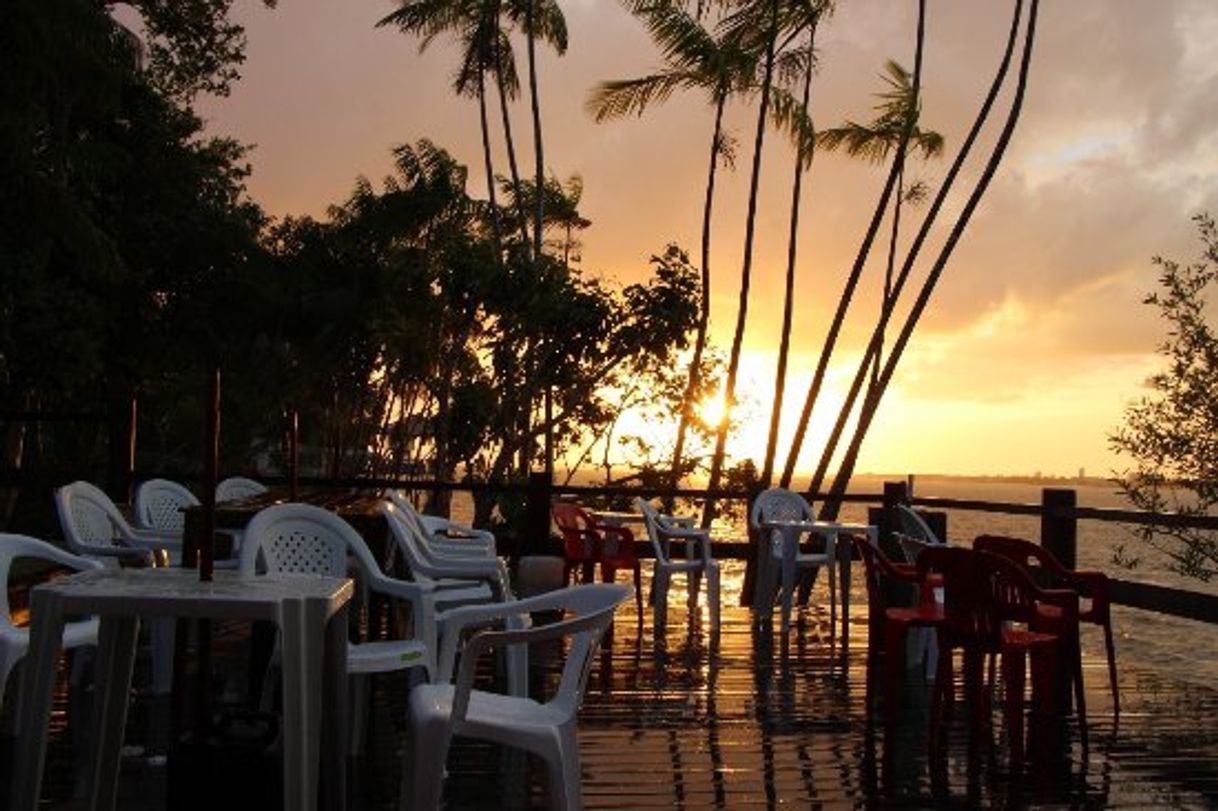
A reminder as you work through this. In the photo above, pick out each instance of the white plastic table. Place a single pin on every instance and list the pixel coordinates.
(791, 530)
(311, 613)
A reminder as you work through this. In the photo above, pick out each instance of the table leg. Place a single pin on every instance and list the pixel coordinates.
(116, 640)
(845, 554)
(46, 633)
(299, 785)
(335, 721)
(790, 540)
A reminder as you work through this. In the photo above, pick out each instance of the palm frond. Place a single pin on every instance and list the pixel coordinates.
(622, 97)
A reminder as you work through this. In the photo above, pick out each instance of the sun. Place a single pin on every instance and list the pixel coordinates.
(713, 410)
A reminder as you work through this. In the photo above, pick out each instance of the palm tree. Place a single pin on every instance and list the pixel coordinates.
(696, 59)
(742, 26)
(860, 260)
(476, 25)
(875, 394)
(875, 141)
(804, 149)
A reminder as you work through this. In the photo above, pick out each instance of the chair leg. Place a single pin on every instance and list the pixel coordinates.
(1112, 673)
(712, 596)
(423, 783)
(894, 666)
(659, 587)
(358, 693)
(638, 590)
(940, 696)
(695, 585)
(563, 769)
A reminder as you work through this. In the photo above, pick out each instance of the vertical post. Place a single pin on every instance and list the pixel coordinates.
(894, 493)
(211, 464)
(123, 412)
(753, 565)
(1058, 526)
(537, 514)
(293, 452)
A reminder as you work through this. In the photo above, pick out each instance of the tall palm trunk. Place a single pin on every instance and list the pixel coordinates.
(695, 364)
(490, 168)
(856, 272)
(915, 249)
(733, 365)
(872, 402)
(510, 144)
(887, 302)
(784, 346)
(539, 179)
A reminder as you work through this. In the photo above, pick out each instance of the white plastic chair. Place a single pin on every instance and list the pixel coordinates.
(457, 581)
(237, 487)
(158, 505)
(15, 641)
(665, 530)
(93, 527)
(781, 504)
(305, 539)
(445, 537)
(914, 526)
(440, 710)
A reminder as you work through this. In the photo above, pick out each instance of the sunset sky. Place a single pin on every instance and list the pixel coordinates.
(1037, 337)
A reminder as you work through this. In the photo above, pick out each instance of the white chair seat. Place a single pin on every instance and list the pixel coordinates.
(548, 729)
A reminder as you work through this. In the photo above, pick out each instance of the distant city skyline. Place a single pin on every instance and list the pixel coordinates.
(1036, 339)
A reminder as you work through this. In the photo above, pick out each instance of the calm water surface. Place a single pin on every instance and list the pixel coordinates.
(1182, 649)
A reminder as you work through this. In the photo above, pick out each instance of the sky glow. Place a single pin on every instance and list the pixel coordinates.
(1036, 338)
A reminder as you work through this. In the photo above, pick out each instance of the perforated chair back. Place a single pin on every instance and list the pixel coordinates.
(237, 487)
(159, 504)
(302, 539)
(90, 521)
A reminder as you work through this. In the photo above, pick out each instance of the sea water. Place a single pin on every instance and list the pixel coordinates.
(1179, 648)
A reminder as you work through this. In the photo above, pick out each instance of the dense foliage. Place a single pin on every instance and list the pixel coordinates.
(1172, 434)
(412, 337)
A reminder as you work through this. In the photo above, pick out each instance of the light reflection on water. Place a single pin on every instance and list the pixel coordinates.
(1147, 639)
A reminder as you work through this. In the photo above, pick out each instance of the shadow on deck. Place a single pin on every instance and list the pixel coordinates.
(688, 725)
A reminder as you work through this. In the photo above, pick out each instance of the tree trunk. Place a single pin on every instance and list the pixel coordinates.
(843, 303)
(510, 144)
(872, 402)
(490, 169)
(784, 346)
(695, 365)
(708, 511)
(915, 249)
(539, 191)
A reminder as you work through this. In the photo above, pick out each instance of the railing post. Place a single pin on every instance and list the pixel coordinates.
(752, 564)
(1058, 526)
(540, 490)
(122, 419)
(894, 493)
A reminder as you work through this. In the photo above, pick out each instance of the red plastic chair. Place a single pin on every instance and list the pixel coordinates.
(987, 599)
(887, 625)
(1048, 570)
(588, 542)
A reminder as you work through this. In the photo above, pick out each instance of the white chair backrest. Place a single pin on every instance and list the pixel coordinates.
(914, 526)
(89, 519)
(235, 487)
(654, 522)
(588, 612)
(405, 530)
(159, 504)
(303, 539)
(23, 546)
(780, 504)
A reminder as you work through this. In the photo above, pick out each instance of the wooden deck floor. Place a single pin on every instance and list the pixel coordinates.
(688, 725)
